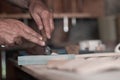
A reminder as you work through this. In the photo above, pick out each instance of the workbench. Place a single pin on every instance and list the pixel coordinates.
(42, 72)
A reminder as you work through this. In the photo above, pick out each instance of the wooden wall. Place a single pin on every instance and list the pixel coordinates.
(6, 7)
(95, 7)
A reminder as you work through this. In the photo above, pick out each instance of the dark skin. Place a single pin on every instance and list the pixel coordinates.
(11, 31)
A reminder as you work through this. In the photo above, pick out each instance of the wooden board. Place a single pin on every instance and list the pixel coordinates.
(42, 59)
(55, 15)
(42, 73)
(104, 61)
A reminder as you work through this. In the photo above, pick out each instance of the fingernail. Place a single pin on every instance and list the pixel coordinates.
(43, 43)
(48, 36)
(40, 38)
(40, 27)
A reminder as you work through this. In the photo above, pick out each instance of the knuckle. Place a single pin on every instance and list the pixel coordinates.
(33, 14)
(51, 14)
(28, 37)
(10, 41)
(17, 39)
(45, 14)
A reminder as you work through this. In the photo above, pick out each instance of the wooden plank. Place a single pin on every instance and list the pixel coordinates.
(95, 7)
(41, 59)
(55, 15)
(98, 55)
(80, 5)
(74, 6)
(28, 60)
(42, 73)
(57, 6)
(88, 64)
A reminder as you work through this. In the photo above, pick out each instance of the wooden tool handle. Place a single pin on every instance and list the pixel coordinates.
(44, 35)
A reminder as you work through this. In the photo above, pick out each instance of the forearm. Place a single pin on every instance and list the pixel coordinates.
(23, 3)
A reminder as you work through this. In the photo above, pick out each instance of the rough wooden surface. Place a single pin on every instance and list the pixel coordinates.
(84, 66)
(89, 64)
(41, 72)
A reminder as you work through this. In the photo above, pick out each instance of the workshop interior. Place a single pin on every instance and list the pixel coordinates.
(85, 44)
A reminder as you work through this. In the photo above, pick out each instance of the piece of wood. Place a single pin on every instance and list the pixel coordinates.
(74, 6)
(66, 65)
(80, 5)
(57, 6)
(81, 60)
(55, 15)
(49, 4)
(87, 65)
(53, 63)
(27, 60)
(72, 69)
(42, 73)
(98, 55)
(72, 49)
(98, 65)
(41, 59)
(95, 7)
(67, 6)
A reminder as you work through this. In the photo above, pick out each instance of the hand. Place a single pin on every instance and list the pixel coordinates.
(42, 16)
(11, 32)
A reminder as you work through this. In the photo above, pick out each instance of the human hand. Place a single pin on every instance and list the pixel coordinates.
(11, 32)
(42, 16)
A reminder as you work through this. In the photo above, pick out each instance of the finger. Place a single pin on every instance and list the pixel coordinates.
(33, 39)
(38, 21)
(46, 23)
(32, 36)
(51, 24)
(32, 32)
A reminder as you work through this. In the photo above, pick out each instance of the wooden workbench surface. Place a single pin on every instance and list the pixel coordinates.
(83, 65)
(40, 72)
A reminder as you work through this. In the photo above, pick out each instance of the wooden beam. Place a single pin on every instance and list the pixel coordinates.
(41, 59)
(98, 55)
(55, 15)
